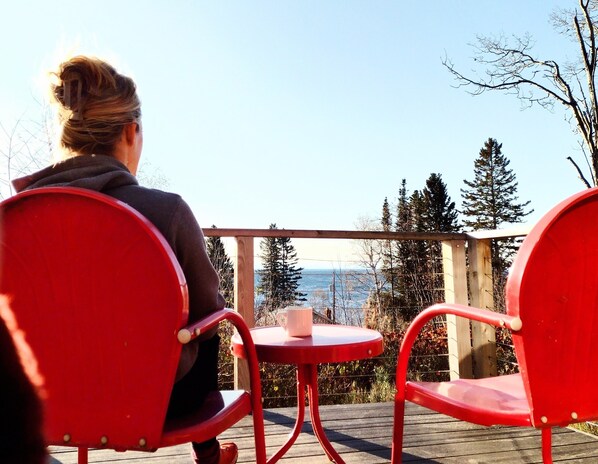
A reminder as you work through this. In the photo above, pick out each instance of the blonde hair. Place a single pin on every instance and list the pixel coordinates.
(94, 103)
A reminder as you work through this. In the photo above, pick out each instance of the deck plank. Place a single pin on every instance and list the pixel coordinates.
(362, 435)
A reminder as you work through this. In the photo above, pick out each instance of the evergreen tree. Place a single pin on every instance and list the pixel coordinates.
(291, 274)
(406, 256)
(279, 277)
(417, 268)
(386, 219)
(270, 274)
(418, 211)
(224, 267)
(403, 210)
(491, 201)
(439, 214)
(420, 262)
(403, 303)
(413, 268)
(388, 250)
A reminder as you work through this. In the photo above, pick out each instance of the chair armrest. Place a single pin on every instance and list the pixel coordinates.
(468, 312)
(192, 331)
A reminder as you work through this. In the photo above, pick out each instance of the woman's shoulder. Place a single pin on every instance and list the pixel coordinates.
(161, 208)
(145, 197)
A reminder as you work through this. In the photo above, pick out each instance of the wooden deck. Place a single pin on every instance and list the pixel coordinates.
(362, 435)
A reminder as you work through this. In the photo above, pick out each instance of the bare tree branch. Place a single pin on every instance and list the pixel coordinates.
(510, 66)
(24, 148)
(579, 172)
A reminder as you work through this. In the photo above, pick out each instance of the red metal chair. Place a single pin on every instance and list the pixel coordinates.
(551, 298)
(102, 302)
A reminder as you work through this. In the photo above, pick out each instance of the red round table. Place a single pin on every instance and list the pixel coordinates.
(327, 344)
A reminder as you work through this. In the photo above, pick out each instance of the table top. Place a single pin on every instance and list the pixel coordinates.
(327, 344)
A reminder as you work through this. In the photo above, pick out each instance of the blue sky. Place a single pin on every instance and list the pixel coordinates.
(302, 113)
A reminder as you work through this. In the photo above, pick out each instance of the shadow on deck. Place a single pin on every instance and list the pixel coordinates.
(362, 435)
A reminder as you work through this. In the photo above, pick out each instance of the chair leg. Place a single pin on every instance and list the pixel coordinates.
(259, 437)
(82, 455)
(397, 433)
(547, 445)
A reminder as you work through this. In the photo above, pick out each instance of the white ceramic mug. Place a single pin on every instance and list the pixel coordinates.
(296, 320)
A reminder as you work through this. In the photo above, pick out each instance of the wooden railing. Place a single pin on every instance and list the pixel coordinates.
(463, 285)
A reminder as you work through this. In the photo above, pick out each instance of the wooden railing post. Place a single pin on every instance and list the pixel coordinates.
(481, 285)
(244, 300)
(455, 288)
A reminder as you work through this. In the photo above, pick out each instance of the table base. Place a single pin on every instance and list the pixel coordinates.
(307, 377)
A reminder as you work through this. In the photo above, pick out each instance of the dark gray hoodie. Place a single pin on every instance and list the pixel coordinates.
(167, 211)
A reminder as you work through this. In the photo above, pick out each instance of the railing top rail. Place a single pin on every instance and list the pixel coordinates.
(362, 234)
(520, 230)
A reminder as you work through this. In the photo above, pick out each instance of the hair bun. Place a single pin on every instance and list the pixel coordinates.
(94, 103)
(72, 93)
(69, 91)
(78, 78)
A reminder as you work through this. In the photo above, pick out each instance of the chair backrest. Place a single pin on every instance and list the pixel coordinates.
(100, 297)
(553, 288)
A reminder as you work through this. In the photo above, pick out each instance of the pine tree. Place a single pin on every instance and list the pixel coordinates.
(224, 267)
(409, 257)
(386, 219)
(417, 267)
(403, 210)
(291, 274)
(428, 210)
(405, 301)
(279, 277)
(413, 268)
(388, 250)
(439, 214)
(270, 274)
(491, 201)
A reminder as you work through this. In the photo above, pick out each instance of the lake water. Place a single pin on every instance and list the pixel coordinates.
(342, 292)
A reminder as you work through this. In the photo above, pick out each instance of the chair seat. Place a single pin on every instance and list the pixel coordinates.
(220, 411)
(491, 401)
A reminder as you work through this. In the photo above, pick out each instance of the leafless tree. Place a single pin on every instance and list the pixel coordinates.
(28, 145)
(348, 293)
(25, 146)
(151, 176)
(508, 64)
(371, 256)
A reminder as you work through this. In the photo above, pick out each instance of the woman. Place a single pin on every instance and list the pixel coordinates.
(102, 138)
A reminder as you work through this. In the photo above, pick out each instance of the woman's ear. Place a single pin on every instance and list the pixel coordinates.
(130, 132)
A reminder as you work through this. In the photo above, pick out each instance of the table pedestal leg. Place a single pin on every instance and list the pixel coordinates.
(300, 417)
(311, 373)
(307, 377)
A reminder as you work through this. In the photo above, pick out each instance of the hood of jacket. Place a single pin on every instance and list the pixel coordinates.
(93, 172)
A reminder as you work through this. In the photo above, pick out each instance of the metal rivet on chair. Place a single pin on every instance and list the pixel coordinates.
(142, 442)
(104, 440)
(516, 324)
(502, 323)
(184, 336)
(544, 419)
(574, 415)
(197, 332)
(369, 352)
(66, 438)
